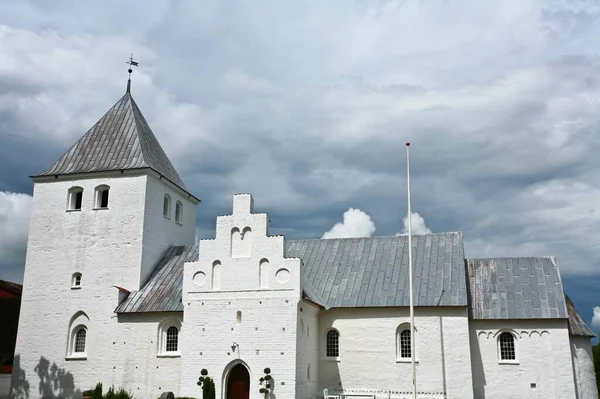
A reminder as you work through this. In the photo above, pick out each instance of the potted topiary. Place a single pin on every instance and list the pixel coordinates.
(207, 384)
(265, 383)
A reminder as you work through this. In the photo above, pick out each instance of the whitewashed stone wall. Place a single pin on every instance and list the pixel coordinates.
(241, 270)
(368, 350)
(583, 368)
(160, 231)
(106, 246)
(543, 355)
(307, 368)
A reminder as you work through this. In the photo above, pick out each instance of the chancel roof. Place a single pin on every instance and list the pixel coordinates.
(120, 140)
(342, 272)
(516, 288)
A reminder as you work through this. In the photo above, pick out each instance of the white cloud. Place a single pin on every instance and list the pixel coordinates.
(356, 224)
(418, 225)
(15, 211)
(596, 318)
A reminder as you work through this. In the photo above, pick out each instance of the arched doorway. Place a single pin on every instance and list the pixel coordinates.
(238, 383)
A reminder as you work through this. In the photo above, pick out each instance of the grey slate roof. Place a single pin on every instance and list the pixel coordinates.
(516, 288)
(162, 291)
(577, 326)
(120, 140)
(344, 272)
(373, 272)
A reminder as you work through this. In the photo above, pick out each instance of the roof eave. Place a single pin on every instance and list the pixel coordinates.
(46, 178)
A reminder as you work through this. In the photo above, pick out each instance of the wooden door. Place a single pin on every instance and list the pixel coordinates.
(238, 383)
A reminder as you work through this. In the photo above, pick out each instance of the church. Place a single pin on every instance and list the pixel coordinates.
(118, 290)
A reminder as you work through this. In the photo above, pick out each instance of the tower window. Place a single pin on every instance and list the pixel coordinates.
(102, 197)
(75, 199)
(76, 280)
(80, 341)
(167, 206)
(178, 212)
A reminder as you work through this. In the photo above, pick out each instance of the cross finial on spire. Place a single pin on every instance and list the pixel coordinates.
(131, 63)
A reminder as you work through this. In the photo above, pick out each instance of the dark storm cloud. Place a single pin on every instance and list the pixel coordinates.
(308, 108)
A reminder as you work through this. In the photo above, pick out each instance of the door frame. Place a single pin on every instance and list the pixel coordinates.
(226, 373)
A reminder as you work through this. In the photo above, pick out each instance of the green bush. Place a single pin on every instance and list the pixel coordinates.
(97, 394)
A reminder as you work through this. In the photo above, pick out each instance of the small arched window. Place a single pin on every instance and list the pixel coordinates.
(178, 212)
(404, 344)
(168, 338)
(507, 346)
(167, 206)
(75, 199)
(102, 196)
(76, 280)
(80, 336)
(172, 339)
(333, 343)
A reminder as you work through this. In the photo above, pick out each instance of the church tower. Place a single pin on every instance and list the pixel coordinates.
(103, 215)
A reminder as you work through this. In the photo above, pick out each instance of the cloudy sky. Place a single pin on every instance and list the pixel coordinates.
(307, 105)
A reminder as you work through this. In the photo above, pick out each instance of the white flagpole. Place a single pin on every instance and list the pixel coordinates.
(410, 280)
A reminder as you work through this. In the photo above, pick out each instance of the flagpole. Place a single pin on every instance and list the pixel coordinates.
(410, 280)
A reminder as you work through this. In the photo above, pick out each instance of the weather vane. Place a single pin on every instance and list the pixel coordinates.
(131, 63)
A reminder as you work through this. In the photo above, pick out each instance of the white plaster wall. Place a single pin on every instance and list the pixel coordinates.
(307, 383)
(368, 350)
(267, 332)
(106, 246)
(583, 368)
(160, 232)
(543, 357)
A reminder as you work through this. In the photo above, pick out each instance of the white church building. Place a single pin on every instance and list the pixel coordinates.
(118, 291)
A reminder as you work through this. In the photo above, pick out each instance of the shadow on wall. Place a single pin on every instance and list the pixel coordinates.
(54, 382)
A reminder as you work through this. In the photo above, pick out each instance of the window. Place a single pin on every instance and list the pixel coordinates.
(172, 339)
(178, 212)
(77, 339)
(75, 199)
(80, 341)
(507, 346)
(404, 344)
(76, 280)
(333, 343)
(167, 206)
(102, 197)
(168, 338)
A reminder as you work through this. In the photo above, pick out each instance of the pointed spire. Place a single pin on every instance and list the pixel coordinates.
(131, 63)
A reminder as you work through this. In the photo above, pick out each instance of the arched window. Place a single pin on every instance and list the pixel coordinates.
(101, 195)
(178, 212)
(168, 338)
(167, 206)
(77, 339)
(404, 339)
(172, 339)
(333, 343)
(75, 199)
(76, 280)
(80, 341)
(506, 342)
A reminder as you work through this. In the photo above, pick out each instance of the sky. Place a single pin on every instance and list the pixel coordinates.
(308, 105)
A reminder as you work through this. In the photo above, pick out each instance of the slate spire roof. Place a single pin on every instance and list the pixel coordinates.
(120, 140)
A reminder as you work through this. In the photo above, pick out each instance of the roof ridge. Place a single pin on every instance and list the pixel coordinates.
(377, 237)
